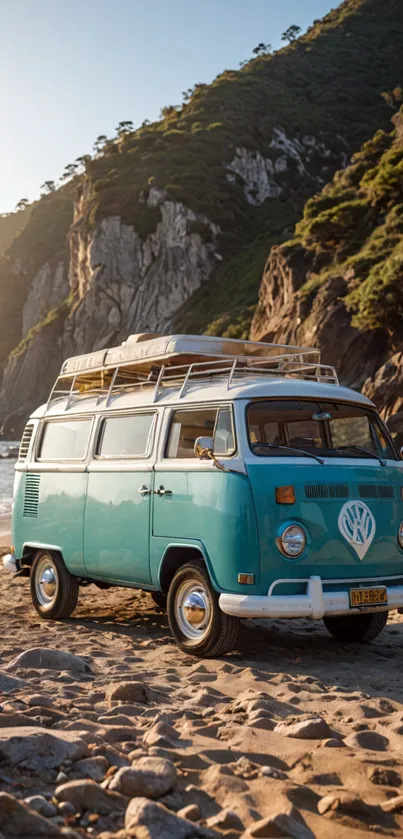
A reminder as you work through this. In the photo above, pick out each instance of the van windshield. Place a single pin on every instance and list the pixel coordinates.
(327, 429)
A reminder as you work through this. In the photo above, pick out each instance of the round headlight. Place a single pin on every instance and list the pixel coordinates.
(293, 540)
(400, 534)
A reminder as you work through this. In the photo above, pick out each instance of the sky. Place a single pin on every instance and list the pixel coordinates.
(73, 69)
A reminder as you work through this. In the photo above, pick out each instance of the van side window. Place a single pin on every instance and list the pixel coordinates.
(65, 440)
(187, 426)
(128, 436)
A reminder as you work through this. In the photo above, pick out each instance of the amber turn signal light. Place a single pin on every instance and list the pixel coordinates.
(285, 495)
(246, 579)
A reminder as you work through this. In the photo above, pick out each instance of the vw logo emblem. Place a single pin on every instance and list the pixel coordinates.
(357, 525)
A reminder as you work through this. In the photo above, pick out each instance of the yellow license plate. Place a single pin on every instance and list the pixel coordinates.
(368, 597)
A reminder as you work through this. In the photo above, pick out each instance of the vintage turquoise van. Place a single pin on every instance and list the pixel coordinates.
(230, 479)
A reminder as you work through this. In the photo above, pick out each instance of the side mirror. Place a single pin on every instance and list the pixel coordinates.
(204, 448)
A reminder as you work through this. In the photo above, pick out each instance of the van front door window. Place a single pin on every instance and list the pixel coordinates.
(188, 425)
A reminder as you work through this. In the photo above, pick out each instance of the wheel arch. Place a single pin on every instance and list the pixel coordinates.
(178, 554)
(30, 550)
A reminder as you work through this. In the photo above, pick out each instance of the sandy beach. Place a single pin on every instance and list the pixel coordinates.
(291, 735)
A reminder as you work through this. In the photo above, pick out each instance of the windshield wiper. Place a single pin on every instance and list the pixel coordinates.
(288, 449)
(364, 451)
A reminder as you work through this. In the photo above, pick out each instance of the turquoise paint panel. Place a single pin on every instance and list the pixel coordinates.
(216, 509)
(60, 515)
(117, 526)
(328, 554)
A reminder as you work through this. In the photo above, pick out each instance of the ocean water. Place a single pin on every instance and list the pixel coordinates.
(6, 480)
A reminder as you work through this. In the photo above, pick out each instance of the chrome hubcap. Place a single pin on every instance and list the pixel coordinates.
(193, 610)
(46, 582)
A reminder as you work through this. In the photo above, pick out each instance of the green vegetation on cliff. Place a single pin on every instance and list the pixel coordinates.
(354, 228)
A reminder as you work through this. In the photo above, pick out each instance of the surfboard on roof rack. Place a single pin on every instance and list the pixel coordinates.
(175, 360)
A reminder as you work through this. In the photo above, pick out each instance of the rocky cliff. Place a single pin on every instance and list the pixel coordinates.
(117, 283)
(169, 225)
(338, 284)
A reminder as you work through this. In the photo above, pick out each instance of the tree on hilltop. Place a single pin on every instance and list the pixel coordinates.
(99, 143)
(83, 160)
(22, 204)
(291, 33)
(47, 187)
(262, 49)
(69, 171)
(124, 127)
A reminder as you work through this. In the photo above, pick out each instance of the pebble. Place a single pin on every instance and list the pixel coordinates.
(393, 805)
(87, 795)
(161, 735)
(315, 728)
(67, 808)
(128, 692)
(38, 749)
(151, 777)
(288, 824)
(117, 734)
(41, 806)
(112, 755)
(42, 658)
(152, 820)
(37, 699)
(269, 772)
(17, 820)
(94, 768)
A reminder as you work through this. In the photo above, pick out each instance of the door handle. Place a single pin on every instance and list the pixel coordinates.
(144, 490)
(162, 491)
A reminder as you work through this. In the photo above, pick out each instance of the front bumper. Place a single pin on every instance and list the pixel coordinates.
(315, 604)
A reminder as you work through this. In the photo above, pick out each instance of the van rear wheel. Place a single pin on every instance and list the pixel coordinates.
(54, 590)
(350, 628)
(197, 623)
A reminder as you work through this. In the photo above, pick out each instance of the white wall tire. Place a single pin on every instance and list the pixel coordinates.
(54, 590)
(197, 623)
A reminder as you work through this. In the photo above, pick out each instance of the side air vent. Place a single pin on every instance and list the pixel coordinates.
(376, 491)
(31, 498)
(327, 491)
(25, 441)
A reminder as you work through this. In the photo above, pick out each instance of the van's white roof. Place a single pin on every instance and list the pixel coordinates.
(205, 392)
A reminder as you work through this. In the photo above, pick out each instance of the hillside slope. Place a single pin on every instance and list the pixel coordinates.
(339, 283)
(173, 222)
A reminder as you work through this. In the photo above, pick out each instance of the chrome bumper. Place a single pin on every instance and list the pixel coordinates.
(315, 604)
(10, 564)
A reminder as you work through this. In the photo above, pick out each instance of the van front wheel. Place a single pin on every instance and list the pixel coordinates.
(350, 628)
(54, 590)
(197, 623)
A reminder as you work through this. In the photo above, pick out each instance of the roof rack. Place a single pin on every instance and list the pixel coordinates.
(95, 378)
